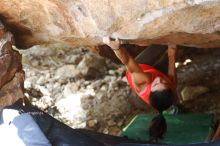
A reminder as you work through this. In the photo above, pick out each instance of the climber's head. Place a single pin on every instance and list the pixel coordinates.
(159, 84)
(161, 98)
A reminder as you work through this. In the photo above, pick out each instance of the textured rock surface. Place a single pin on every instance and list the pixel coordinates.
(11, 74)
(85, 22)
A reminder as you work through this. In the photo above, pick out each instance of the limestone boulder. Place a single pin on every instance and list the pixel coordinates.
(192, 92)
(84, 22)
(11, 73)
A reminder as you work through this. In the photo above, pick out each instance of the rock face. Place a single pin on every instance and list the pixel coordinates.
(84, 22)
(11, 73)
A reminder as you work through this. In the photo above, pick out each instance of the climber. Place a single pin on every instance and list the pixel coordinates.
(146, 75)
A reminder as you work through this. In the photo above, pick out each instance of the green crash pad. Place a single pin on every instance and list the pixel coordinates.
(181, 128)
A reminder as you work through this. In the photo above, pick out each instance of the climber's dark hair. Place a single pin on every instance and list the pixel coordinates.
(160, 100)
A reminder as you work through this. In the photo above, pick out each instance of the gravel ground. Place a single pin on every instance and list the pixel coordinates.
(84, 90)
(78, 88)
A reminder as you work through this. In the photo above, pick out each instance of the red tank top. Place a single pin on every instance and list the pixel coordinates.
(154, 73)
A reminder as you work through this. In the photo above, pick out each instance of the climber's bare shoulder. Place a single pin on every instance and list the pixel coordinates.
(140, 80)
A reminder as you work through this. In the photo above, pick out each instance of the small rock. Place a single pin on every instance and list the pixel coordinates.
(111, 72)
(56, 85)
(100, 95)
(41, 51)
(114, 131)
(66, 71)
(86, 83)
(111, 122)
(191, 92)
(107, 78)
(90, 73)
(44, 102)
(41, 80)
(70, 107)
(50, 87)
(113, 85)
(120, 123)
(105, 131)
(96, 84)
(121, 71)
(35, 63)
(47, 75)
(92, 123)
(91, 66)
(113, 78)
(74, 59)
(70, 88)
(43, 90)
(34, 92)
(103, 88)
(81, 125)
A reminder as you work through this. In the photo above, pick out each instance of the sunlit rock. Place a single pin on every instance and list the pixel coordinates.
(76, 23)
(11, 73)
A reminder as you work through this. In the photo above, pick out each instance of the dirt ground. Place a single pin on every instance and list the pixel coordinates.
(84, 90)
(202, 71)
